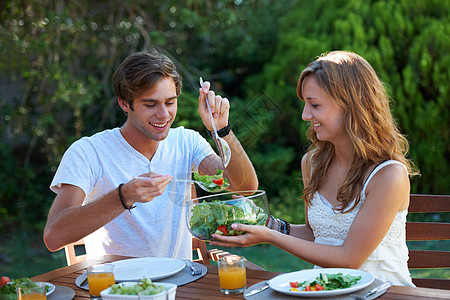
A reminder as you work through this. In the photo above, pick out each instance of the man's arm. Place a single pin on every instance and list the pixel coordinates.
(67, 214)
(240, 171)
(69, 221)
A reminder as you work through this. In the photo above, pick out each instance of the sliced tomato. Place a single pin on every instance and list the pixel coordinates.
(294, 284)
(223, 228)
(319, 287)
(218, 181)
(308, 288)
(4, 280)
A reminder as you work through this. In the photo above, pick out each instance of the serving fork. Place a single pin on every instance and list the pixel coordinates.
(194, 270)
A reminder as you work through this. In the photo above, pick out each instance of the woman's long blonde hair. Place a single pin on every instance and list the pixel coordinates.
(354, 85)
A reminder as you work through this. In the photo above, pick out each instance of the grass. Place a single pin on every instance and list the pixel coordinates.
(25, 255)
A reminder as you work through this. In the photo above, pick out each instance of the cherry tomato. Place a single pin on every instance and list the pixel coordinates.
(319, 287)
(4, 280)
(218, 181)
(294, 284)
(223, 228)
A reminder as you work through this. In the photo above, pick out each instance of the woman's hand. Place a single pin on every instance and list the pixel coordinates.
(254, 234)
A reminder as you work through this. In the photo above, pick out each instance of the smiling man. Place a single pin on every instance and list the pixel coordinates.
(131, 168)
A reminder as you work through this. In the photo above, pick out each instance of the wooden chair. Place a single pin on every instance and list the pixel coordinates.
(429, 231)
(75, 252)
(198, 246)
(71, 252)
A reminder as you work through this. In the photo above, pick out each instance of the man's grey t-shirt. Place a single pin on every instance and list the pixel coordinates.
(98, 164)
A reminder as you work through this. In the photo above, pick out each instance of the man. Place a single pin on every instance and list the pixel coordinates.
(131, 168)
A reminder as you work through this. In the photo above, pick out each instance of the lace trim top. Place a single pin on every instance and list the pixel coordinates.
(331, 228)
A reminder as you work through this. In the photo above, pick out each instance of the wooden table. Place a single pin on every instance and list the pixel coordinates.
(207, 287)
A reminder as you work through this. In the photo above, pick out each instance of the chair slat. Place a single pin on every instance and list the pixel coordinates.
(432, 283)
(427, 231)
(202, 252)
(429, 203)
(428, 259)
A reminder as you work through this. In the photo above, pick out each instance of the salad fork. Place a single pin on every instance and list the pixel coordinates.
(193, 269)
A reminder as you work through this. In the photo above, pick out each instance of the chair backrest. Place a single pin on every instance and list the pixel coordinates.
(72, 257)
(71, 254)
(429, 231)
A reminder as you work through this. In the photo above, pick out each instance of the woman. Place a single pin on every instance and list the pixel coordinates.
(355, 174)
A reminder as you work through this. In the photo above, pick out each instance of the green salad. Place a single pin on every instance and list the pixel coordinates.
(8, 291)
(217, 216)
(325, 282)
(144, 284)
(214, 183)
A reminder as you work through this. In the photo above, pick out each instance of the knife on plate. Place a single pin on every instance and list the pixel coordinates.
(375, 292)
(256, 291)
(260, 289)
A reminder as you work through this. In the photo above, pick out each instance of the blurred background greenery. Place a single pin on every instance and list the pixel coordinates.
(57, 58)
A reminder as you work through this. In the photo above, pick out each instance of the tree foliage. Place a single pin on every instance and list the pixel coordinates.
(57, 59)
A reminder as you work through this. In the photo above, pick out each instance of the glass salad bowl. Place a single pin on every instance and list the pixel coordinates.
(215, 213)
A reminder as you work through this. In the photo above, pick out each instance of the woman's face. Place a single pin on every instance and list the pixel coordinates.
(326, 117)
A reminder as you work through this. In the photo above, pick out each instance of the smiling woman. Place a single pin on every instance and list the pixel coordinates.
(355, 176)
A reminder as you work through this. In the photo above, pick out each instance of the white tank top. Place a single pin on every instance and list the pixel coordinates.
(389, 260)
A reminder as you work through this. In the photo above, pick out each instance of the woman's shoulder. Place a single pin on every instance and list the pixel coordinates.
(390, 168)
(390, 173)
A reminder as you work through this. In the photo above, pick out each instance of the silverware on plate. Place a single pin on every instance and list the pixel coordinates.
(374, 293)
(256, 291)
(260, 289)
(194, 271)
(84, 282)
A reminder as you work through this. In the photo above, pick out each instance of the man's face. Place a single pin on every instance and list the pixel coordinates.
(155, 110)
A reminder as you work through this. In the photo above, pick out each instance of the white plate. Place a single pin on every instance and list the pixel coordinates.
(149, 267)
(281, 283)
(51, 288)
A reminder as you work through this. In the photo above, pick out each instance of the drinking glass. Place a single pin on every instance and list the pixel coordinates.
(100, 277)
(232, 274)
(31, 291)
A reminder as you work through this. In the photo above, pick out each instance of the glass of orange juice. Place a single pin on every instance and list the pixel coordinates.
(100, 277)
(31, 291)
(232, 274)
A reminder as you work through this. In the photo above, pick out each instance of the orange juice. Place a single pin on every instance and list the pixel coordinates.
(232, 277)
(99, 282)
(36, 296)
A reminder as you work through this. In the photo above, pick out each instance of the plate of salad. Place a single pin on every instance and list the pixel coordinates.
(317, 283)
(8, 287)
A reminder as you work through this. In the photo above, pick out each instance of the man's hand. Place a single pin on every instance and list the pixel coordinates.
(144, 188)
(220, 108)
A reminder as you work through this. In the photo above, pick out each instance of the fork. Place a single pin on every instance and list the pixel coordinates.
(191, 266)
